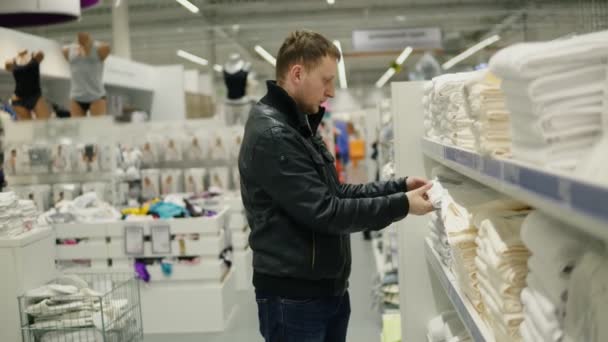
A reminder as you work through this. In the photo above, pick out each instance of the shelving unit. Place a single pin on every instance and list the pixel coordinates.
(470, 318)
(559, 195)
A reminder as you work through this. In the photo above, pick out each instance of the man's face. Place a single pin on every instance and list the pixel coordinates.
(315, 86)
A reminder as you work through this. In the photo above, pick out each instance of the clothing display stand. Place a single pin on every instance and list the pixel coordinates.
(27, 262)
(428, 288)
(201, 295)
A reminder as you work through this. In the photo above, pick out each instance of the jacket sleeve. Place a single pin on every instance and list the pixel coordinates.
(283, 167)
(374, 189)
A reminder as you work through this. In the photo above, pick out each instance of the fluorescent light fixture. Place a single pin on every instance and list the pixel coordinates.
(331, 2)
(387, 76)
(404, 55)
(218, 68)
(189, 6)
(192, 58)
(266, 55)
(391, 71)
(341, 67)
(470, 51)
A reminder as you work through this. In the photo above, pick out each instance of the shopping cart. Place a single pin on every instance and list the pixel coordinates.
(105, 308)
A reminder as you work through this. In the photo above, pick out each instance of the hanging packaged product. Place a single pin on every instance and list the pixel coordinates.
(236, 178)
(218, 178)
(16, 160)
(150, 183)
(194, 180)
(40, 158)
(149, 153)
(62, 158)
(106, 156)
(195, 148)
(217, 150)
(171, 181)
(88, 158)
(235, 144)
(172, 150)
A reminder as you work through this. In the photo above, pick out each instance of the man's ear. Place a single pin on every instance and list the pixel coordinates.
(296, 73)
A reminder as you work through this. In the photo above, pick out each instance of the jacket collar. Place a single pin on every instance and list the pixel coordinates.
(279, 99)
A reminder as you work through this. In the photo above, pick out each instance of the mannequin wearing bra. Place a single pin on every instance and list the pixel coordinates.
(235, 76)
(86, 58)
(28, 94)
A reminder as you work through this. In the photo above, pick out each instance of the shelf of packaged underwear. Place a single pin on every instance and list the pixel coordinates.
(192, 164)
(560, 195)
(58, 178)
(467, 313)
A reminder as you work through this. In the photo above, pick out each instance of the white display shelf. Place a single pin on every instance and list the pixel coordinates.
(560, 195)
(470, 318)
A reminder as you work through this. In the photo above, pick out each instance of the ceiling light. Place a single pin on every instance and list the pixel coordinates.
(266, 55)
(189, 6)
(218, 68)
(192, 58)
(341, 67)
(404, 55)
(470, 51)
(391, 71)
(387, 76)
(400, 18)
(331, 2)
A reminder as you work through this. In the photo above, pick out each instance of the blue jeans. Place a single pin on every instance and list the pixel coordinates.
(322, 319)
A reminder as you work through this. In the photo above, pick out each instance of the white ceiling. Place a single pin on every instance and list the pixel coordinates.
(159, 27)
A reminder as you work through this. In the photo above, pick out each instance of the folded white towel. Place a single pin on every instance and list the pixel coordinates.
(594, 167)
(530, 60)
(548, 327)
(555, 245)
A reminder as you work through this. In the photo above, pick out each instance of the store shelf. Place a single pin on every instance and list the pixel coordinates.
(470, 318)
(557, 194)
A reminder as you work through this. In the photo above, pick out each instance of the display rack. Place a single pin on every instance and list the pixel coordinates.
(469, 317)
(560, 195)
(432, 290)
(202, 294)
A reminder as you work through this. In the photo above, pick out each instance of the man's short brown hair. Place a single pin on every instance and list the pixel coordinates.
(305, 47)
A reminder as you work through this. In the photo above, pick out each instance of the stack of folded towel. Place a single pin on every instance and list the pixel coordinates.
(447, 327)
(554, 91)
(491, 119)
(467, 110)
(502, 267)
(556, 252)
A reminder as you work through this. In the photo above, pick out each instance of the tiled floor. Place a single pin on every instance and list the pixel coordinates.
(364, 322)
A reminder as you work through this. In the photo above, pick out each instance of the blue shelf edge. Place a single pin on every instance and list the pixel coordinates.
(563, 191)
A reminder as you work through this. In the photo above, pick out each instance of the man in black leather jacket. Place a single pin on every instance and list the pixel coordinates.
(301, 217)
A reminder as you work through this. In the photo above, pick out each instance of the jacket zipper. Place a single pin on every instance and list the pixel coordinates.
(313, 250)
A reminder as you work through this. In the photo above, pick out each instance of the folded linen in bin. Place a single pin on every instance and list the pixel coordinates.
(82, 335)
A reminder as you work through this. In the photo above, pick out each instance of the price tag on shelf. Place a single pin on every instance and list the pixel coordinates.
(541, 183)
(510, 173)
(491, 167)
(161, 238)
(589, 199)
(134, 240)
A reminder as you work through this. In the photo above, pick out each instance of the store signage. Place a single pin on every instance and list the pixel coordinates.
(397, 39)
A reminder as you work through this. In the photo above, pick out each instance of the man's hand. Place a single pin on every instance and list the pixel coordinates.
(419, 203)
(413, 183)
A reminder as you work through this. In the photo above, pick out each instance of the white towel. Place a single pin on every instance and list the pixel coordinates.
(594, 168)
(580, 81)
(548, 327)
(587, 306)
(529, 60)
(554, 288)
(553, 241)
